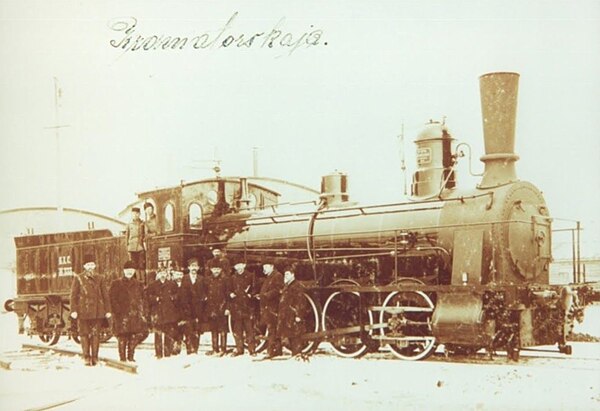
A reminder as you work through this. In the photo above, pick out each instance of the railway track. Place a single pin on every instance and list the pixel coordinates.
(34, 357)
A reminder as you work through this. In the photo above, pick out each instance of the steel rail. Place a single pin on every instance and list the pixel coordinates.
(108, 361)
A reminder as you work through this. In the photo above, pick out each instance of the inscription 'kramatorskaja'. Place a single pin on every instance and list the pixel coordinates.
(275, 37)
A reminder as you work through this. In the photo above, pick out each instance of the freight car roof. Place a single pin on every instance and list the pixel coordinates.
(45, 239)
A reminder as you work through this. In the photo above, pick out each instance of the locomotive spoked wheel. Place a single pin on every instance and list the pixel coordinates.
(50, 338)
(408, 315)
(312, 324)
(260, 333)
(341, 310)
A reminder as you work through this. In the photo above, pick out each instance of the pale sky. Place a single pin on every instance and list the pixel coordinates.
(141, 119)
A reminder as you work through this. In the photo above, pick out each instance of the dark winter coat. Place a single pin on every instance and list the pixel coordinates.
(183, 301)
(217, 294)
(269, 297)
(292, 304)
(161, 302)
(197, 295)
(89, 296)
(127, 303)
(242, 287)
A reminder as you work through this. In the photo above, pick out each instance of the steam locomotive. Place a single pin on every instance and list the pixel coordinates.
(466, 268)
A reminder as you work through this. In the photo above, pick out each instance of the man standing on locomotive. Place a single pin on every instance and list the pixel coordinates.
(196, 286)
(242, 314)
(134, 237)
(160, 296)
(127, 302)
(90, 306)
(293, 309)
(269, 307)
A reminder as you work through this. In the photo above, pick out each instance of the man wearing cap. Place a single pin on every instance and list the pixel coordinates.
(269, 307)
(161, 295)
(293, 311)
(183, 300)
(127, 303)
(134, 237)
(220, 259)
(90, 305)
(217, 294)
(242, 314)
(196, 286)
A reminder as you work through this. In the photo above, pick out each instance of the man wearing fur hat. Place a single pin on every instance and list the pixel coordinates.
(161, 295)
(269, 306)
(242, 314)
(293, 310)
(129, 322)
(90, 305)
(217, 294)
(219, 259)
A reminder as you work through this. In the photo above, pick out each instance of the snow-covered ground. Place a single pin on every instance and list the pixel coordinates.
(327, 382)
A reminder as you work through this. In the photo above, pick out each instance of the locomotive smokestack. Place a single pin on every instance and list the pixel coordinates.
(499, 112)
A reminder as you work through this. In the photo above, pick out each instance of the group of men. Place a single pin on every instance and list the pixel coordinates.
(178, 307)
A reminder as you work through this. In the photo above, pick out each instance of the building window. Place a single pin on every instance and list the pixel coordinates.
(195, 216)
(168, 218)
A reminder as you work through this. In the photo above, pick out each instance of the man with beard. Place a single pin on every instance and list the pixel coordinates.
(242, 314)
(127, 302)
(269, 307)
(161, 295)
(90, 305)
(216, 309)
(293, 310)
(196, 286)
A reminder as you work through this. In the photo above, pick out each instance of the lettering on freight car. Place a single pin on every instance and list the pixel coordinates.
(65, 267)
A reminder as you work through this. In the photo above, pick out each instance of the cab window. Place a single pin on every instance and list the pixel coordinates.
(195, 216)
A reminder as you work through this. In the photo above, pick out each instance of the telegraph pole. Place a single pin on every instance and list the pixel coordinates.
(57, 127)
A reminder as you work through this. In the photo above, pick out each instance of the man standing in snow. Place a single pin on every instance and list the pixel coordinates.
(127, 302)
(269, 307)
(90, 305)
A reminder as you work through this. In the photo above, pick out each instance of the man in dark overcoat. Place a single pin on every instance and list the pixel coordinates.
(196, 286)
(183, 301)
(293, 311)
(161, 295)
(217, 295)
(90, 306)
(127, 303)
(242, 313)
(270, 293)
